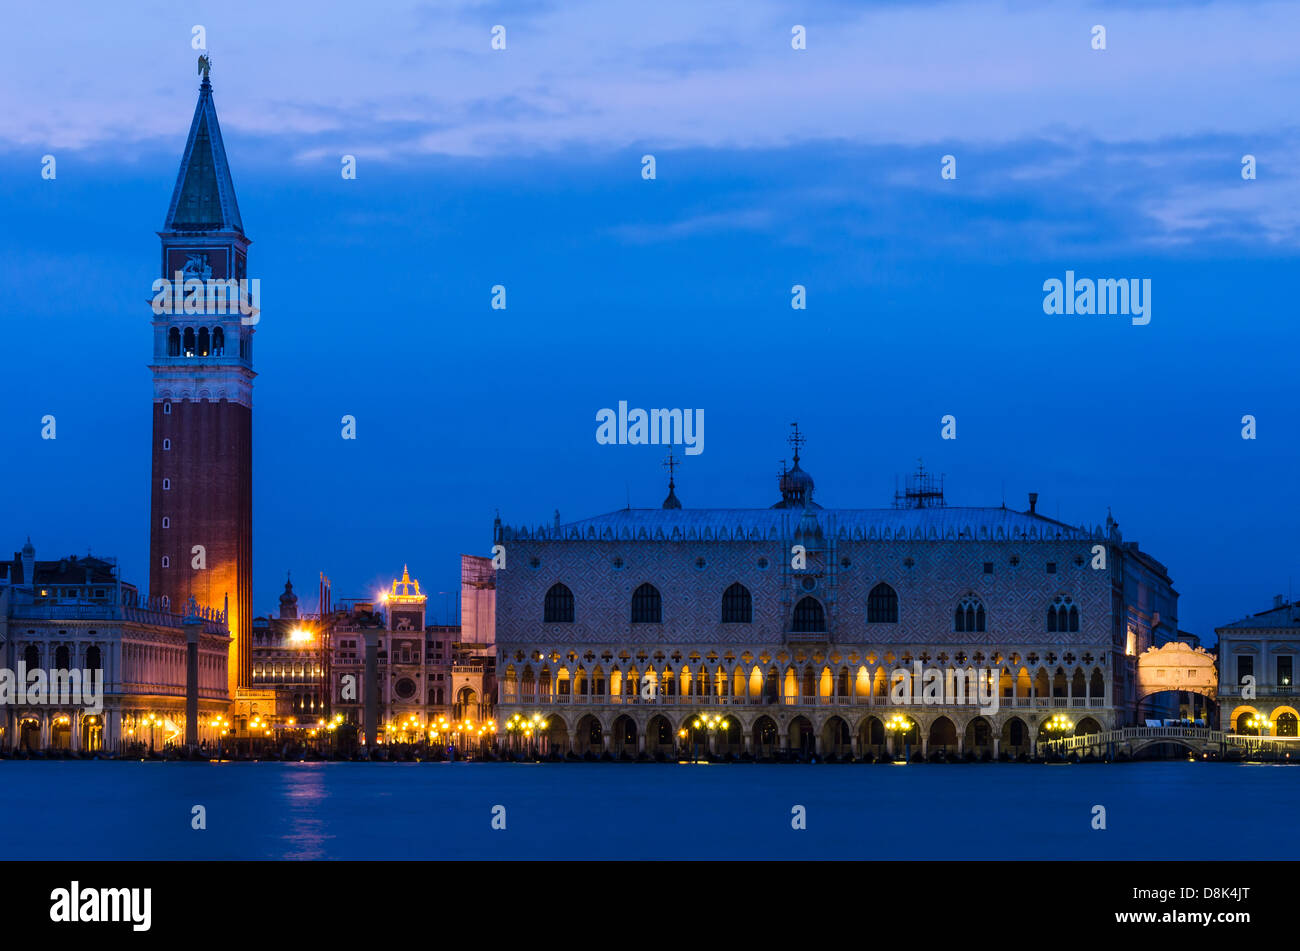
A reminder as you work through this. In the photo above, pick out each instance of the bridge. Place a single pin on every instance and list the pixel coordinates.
(1197, 740)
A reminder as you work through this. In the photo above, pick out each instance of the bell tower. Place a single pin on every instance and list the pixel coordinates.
(201, 513)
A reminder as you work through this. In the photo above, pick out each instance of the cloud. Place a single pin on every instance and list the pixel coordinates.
(680, 74)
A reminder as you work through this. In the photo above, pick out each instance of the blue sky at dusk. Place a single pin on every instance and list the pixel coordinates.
(775, 167)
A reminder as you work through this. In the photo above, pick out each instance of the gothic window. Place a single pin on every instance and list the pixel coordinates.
(737, 605)
(882, 605)
(189, 342)
(174, 342)
(1062, 616)
(218, 342)
(969, 617)
(558, 607)
(647, 607)
(809, 617)
(204, 343)
(167, 407)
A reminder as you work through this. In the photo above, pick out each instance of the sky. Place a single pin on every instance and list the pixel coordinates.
(774, 167)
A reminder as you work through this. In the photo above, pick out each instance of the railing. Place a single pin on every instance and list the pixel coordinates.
(1129, 734)
(874, 700)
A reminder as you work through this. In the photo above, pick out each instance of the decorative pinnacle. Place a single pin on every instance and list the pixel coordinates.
(796, 441)
(670, 464)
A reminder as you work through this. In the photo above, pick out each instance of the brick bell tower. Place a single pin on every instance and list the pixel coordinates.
(201, 517)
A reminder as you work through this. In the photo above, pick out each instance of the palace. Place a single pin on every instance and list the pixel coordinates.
(77, 613)
(627, 629)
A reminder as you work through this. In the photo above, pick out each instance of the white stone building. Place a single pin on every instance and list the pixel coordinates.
(622, 630)
(1257, 667)
(77, 614)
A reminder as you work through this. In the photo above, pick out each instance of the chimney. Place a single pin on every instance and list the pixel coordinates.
(1033, 503)
(1277, 601)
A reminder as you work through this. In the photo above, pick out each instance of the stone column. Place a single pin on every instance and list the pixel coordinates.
(997, 740)
(371, 687)
(193, 628)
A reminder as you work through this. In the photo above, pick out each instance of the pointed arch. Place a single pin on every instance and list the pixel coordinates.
(558, 606)
(882, 605)
(809, 617)
(737, 605)
(647, 605)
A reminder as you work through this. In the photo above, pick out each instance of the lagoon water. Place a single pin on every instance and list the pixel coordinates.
(1154, 810)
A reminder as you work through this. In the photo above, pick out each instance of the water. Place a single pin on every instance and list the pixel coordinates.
(1156, 810)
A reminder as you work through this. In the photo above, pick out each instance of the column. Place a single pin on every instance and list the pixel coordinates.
(997, 740)
(193, 627)
(371, 687)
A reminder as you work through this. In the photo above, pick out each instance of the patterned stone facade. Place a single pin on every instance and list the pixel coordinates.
(606, 682)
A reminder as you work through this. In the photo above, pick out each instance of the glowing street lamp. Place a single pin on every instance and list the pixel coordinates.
(1260, 725)
(901, 726)
(709, 723)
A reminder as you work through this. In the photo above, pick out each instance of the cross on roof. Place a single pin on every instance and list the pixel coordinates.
(671, 465)
(796, 441)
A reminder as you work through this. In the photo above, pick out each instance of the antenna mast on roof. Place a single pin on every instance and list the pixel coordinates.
(924, 490)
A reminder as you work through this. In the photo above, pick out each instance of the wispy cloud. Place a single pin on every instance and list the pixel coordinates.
(596, 75)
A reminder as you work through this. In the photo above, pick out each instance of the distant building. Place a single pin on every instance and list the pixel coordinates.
(77, 614)
(425, 673)
(289, 660)
(1257, 668)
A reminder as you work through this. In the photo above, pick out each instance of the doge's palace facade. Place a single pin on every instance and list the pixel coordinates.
(785, 625)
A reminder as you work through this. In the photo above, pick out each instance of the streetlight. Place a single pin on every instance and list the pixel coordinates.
(1059, 726)
(1260, 724)
(899, 725)
(707, 722)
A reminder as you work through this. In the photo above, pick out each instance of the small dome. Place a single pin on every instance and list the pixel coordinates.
(796, 489)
